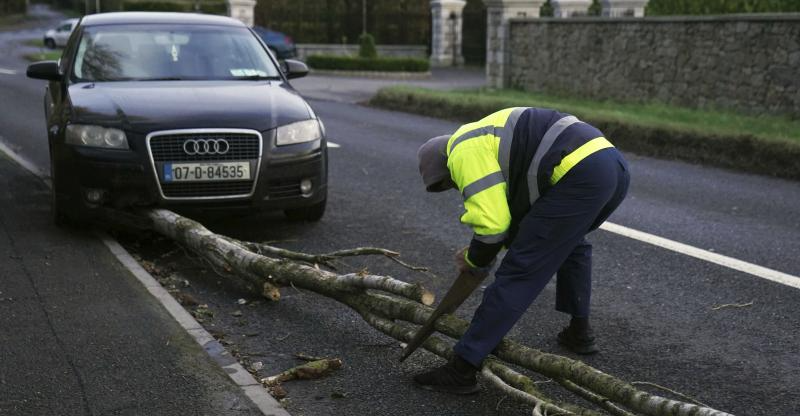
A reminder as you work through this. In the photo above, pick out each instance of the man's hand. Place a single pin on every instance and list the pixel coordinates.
(463, 265)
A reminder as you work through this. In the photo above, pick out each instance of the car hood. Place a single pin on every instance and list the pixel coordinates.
(165, 105)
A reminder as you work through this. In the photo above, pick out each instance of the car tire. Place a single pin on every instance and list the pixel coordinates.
(50, 43)
(62, 217)
(311, 213)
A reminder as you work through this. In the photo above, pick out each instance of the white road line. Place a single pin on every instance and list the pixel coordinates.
(27, 164)
(729, 262)
(7, 71)
(333, 145)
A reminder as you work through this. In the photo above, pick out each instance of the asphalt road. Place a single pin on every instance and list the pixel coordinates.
(652, 308)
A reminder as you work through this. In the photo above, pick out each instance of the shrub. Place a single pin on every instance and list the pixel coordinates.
(155, 6)
(211, 7)
(683, 7)
(214, 7)
(348, 63)
(12, 7)
(366, 47)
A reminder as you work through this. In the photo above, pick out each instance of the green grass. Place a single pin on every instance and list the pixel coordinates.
(39, 43)
(718, 123)
(43, 56)
(12, 19)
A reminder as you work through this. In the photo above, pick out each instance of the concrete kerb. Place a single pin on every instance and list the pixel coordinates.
(241, 377)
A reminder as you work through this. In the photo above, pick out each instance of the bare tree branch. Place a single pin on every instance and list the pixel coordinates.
(383, 301)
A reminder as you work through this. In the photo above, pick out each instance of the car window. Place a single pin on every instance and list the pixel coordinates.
(156, 52)
(65, 27)
(65, 61)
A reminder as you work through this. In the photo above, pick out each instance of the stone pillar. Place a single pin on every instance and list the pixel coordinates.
(242, 10)
(498, 13)
(446, 30)
(620, 8)
(570, 8)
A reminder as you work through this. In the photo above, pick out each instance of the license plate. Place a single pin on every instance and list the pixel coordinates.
(197, 172)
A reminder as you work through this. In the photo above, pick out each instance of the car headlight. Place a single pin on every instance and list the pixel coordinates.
(300, 132)
(96, 136)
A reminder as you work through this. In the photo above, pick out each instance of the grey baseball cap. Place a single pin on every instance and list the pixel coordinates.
(433, 164)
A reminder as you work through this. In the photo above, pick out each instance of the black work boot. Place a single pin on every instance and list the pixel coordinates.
(456, 377)
(578, 337)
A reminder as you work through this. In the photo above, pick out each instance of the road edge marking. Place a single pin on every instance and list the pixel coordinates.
(25, 163)
(251, 388)
(698, 253)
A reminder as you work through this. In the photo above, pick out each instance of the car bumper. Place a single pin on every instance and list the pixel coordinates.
(127, 179)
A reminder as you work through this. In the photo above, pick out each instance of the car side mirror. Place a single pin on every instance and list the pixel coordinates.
(47, 70)
(295, 69)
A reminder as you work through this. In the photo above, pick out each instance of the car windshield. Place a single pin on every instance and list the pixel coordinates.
(170, 52)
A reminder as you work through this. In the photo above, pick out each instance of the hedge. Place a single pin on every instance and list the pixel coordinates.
(8, 7)
(348, 63)
(210, 7)
(738, 152)
(700, 7)
(391, 22)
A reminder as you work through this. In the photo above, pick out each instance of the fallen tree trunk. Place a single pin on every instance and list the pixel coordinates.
(386, 303)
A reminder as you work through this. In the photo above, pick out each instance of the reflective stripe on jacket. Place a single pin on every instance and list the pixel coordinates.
(502, 163)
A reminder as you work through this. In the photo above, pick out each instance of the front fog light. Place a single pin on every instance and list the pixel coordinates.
(305, 186)
(94, 195)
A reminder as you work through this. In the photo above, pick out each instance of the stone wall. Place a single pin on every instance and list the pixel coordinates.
(397, 51)
(743, 62)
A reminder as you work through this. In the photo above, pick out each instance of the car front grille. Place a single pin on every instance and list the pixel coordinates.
(206, 189)
(169, 148)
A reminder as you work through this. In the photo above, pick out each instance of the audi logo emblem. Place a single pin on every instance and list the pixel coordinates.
(206, 147)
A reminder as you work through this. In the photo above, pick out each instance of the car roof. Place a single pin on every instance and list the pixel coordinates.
(126, 18)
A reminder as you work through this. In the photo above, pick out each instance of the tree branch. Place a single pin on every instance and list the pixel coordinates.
(389, 300)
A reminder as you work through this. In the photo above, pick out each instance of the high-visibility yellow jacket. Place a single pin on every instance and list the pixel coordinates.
(504, 162)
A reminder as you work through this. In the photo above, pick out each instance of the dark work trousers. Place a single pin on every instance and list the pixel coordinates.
(551, 240)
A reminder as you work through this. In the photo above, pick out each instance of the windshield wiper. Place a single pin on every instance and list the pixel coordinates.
(258, 78)
(160, 79)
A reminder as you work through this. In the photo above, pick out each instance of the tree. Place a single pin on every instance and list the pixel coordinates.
(392, 306)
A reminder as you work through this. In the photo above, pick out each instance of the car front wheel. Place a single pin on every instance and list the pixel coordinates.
(311, 213)
(62, 217)
(50, 43)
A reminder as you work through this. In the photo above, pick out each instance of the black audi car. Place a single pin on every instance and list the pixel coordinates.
(180, 111)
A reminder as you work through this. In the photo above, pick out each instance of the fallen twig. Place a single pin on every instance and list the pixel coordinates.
(306, 357)
(677, 394)
(597, 399)
(732, 305)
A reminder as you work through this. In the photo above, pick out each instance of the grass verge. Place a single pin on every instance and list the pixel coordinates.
(763, 145)
(43, 56)
(12, 19)
(38, 42)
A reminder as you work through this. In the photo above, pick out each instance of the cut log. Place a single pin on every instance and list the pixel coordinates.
(385, 303)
